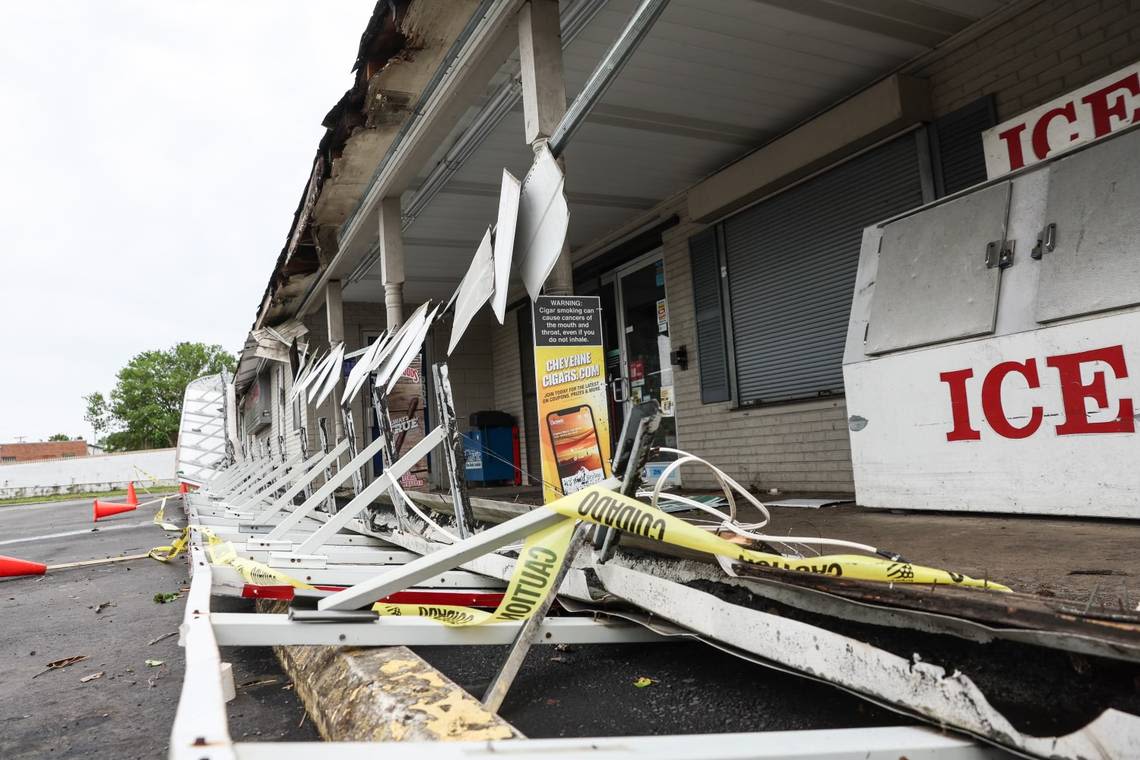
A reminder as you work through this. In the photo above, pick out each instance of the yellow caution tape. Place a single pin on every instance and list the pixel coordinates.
(160, 518)
(167, 553)
(604, 507)
(538, 563)
(544, 552)
(221, 552)
(145, 474)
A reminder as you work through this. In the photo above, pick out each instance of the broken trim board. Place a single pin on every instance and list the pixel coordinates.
(808, 503)
(950, 700)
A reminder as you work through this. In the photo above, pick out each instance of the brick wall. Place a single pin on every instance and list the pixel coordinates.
(29, 452)
(1040, 50)
(1046, 48)
(507, 391)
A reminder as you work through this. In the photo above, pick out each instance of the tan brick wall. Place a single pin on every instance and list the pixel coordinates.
(1046, 49)
(471, 367)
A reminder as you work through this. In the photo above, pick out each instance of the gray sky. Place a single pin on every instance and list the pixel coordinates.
(154, 153)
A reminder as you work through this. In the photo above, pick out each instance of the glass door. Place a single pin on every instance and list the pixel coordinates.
(643, 370)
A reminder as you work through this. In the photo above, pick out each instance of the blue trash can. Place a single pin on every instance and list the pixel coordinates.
(492, 449)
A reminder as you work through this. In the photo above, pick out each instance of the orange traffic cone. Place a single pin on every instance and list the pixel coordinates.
(106, 509)
(10, 567)
(131, 498)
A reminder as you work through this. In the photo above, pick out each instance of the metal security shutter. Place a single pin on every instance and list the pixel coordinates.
(791, 271)
(712, 358)
(956, 144)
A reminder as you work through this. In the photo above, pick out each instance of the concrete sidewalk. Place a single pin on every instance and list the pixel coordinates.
(1076, 559)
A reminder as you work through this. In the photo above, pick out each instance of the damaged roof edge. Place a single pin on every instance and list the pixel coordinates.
(380, 43)
(465, 59)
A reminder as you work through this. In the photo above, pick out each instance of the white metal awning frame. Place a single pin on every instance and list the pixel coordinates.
(200, 730)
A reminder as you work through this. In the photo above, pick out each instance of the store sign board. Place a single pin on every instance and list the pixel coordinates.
(569, 369)
(1095, 111)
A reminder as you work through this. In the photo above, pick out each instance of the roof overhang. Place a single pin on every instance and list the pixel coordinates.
(708, 87)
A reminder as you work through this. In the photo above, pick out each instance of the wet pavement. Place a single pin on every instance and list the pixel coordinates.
(109, 615)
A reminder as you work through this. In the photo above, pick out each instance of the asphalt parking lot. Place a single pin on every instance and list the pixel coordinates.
(108, 615)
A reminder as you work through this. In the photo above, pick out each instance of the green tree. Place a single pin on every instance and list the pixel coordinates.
(97, 415)
(145, 405)
(60, 437)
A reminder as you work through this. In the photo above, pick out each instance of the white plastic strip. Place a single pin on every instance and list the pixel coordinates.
(542, 221)
(475, 289)
(505, 227)
(398, 346)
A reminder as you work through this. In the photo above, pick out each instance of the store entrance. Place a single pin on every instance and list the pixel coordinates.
(635, 313)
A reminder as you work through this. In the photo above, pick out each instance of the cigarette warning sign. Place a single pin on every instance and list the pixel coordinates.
(570, 377)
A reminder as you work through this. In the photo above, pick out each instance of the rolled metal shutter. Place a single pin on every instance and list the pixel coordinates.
(791, 271)
(712, 356)
(956, 145)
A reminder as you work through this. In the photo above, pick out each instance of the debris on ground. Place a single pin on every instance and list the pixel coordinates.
(164, 636)
(58, 664)
(641, 682)
(259, 682)
(100, 607)
(155, 663)
(164, 598)
(92, 677)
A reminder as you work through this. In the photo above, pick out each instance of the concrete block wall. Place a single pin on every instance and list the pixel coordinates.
(80, 475)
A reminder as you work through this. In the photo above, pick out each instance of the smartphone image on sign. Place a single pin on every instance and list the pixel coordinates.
(576, 447)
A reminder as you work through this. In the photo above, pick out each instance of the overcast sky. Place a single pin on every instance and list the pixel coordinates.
(154, 153)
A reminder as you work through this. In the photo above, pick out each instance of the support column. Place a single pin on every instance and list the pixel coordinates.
(544, 101)
(334, 317)
(392, 260)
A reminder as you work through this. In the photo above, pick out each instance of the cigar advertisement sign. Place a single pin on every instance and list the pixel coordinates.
(570, 378)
